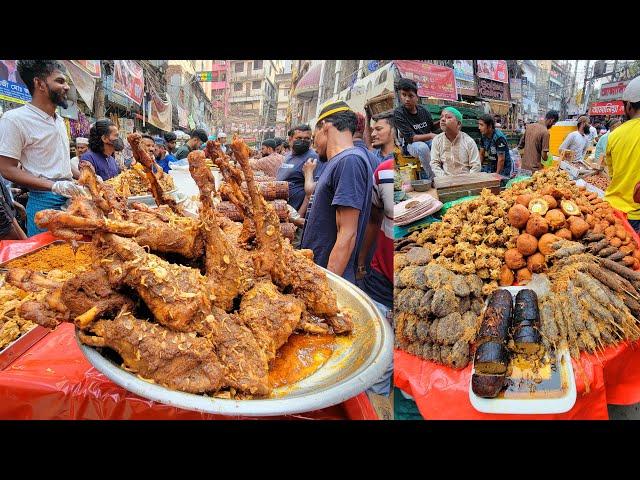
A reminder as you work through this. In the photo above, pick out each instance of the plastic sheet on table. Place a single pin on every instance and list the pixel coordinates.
(53, 380)
(443, 393)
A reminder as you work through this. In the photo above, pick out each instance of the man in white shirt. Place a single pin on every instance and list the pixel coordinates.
(222, 138)
(82, 145)
(453, 152)
(36, 137)
(577, 141)
(593, 133)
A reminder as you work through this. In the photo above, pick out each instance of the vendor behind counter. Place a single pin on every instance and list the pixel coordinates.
(35, 136)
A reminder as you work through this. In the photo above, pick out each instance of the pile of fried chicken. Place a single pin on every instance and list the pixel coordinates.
(220, 297)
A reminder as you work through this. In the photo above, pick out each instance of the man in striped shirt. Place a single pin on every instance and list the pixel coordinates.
(453, 152)
(270, 162)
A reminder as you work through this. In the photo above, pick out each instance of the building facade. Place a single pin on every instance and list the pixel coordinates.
(283, 113)
(529, 81)
(252, 98)
(191, 100)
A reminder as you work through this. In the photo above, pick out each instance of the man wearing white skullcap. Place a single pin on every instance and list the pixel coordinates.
(82, 145)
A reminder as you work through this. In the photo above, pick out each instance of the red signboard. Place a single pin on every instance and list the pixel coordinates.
(90, 66)
(606, 108)
(495, 70)
(433, 80)
(610, 91)
(128, 80)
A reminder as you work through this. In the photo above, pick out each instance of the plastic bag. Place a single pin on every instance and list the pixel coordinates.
(452, 203)
(519, 178)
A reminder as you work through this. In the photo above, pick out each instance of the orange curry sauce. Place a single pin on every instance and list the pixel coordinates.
(299, 358)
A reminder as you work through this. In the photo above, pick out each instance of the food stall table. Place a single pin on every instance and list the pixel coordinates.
(442, 393)
(53, 380)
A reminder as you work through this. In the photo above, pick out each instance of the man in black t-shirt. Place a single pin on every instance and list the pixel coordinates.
(414, 124)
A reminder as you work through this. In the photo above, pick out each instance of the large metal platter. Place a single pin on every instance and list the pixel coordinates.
(357, 363)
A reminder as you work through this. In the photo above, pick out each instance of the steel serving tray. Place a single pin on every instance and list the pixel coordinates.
(357, 363)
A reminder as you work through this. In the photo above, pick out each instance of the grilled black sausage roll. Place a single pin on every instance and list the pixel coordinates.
(491, 357)
(497, 317)
(487, 386)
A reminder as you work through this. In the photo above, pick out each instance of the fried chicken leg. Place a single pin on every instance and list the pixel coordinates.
(143, 157)
(270, 315)
(228, 268)
(179, 235)
(180, 361)
(177, 295)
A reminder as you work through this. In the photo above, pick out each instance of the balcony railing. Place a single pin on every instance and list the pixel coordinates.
(251, 75)
(245, 98)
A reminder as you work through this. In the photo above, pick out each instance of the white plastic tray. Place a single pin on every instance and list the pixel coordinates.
(524, 406)
(591, 188)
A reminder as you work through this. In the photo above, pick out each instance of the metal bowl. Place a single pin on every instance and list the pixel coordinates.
(357, 363)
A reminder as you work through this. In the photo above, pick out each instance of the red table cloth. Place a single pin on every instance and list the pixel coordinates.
(53, 380)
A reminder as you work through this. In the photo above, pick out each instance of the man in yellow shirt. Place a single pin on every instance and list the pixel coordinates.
(623, 157)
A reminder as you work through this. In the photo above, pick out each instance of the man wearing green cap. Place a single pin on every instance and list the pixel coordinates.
(453, 152)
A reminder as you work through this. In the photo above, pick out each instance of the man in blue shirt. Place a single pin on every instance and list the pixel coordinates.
(494, 149)
(162, 156)
(103, 142)
(291, 169)
(337, 219)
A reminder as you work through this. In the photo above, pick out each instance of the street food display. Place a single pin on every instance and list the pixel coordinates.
(200, 305)
(578, 261)
(600, 180)
(59, 260)
(12, 324)
(133, 182)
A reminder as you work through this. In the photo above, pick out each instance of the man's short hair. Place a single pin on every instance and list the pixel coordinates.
(291, 132)
(386, 116)
(299, 128)
(200, 134)
(279, 141)
(170, 137)
(488, 120)
(31, 69)
(552, 115)
(269, 142)
(407, 84)
(146, 135)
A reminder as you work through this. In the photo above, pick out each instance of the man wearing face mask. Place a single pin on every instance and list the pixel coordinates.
(103, 142)
(291, 170)
(623, 158)
(35, 136)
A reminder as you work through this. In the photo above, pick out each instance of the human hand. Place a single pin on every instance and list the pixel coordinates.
(361, 273)
(68, 189)
(309, 166)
